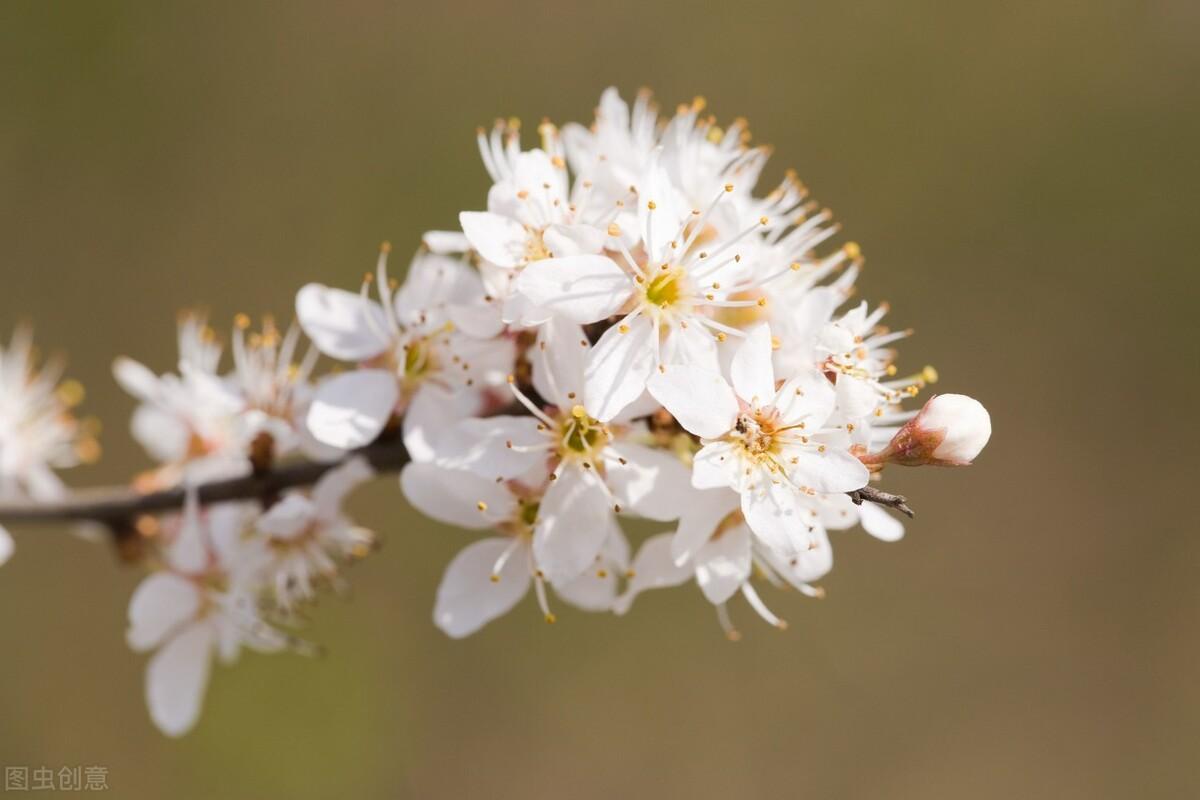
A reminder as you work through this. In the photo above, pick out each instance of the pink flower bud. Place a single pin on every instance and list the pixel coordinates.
(949, 432)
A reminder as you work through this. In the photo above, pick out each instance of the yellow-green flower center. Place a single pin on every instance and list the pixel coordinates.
(581, 435)
(665, 288)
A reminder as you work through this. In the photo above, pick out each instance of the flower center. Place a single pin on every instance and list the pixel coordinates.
(666, 288)
(756, 430)
(535, 246)
(527, 512)
(581, 435)
(419, 360)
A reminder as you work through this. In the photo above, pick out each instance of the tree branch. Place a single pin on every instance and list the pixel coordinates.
(120, 507)
(873, 495)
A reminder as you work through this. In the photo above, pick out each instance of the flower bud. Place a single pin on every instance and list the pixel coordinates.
(949, 432)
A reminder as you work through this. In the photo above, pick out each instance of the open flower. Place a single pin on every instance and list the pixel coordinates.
(414, 350)
(534, 215)
(769, 445)
(187, 421)
(597, 469)
(714, 545)
(199, 608)
(667, 293)
(303, 537)
(490, 576)
(38, 431)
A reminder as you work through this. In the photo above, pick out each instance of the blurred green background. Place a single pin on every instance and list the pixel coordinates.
(1021, 177)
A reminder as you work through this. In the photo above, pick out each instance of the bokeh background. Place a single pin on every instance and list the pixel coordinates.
(1021, 177)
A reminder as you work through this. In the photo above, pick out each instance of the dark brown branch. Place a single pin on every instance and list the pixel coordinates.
(118, 508)
(873, 495)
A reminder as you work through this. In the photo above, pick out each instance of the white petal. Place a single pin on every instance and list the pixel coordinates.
(619, 367)
(341, 324)
(499, 239)
(813, 557)
(176, 678)
(723, 564)
(446, 242)
(332, 488)
(351, 409)
(751, 370)
(188, 551)
(717, 465)
(6, 545)
(774, 518)
(832, 471)
(431, 415)
(135, 378)
(653, 568)
(660, 223)
(596, 589)
(700, 400)
(289, 517)
(879, 523)
(574, 518)
(481, 320)
(453, 496)
(161, 602)
(482, 446)
(855, 397)
(643, 406)
(434, 281)
(574, 240)
(652, 483)
(558, 360)
(581, 288)
(705, 511)
(468, 598)
(835, 511)
(806, 397)
(227, 526)
(521, 312)
(691, 345)
(165, 436)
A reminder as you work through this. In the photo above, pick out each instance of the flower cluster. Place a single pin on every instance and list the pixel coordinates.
(669, 345)
(38, 431)
(236, 574)
(627, 330)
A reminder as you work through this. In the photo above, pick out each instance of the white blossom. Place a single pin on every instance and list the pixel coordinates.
(305, 536)
(535, 214)
(490, 576)
(198, 608)
(597, 469)
(417, 349)
(200, 424)
(770, 445)
(38, 431)
(625, 329)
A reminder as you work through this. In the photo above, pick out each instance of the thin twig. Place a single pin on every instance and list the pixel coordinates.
(873, 495)
(120, 506)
